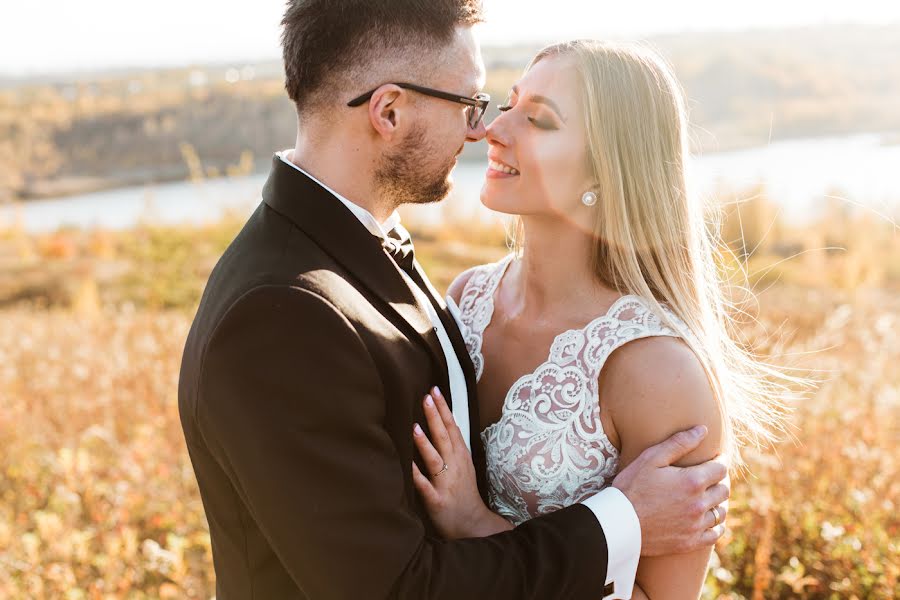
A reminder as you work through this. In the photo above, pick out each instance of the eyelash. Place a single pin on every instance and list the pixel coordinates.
(532, 120)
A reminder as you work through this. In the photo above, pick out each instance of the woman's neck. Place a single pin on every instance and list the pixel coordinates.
(554, 274)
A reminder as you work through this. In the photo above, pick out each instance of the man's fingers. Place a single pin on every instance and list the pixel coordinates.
(711, 536)
(724, 459)
(705, 475)
(709, 517)
(716, 495)
(676, 447)
(433, 460)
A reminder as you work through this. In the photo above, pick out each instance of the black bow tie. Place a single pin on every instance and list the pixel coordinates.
(399, 245)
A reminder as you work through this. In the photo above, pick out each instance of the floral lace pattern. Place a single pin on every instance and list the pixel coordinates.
(549, 450)
(476, 306)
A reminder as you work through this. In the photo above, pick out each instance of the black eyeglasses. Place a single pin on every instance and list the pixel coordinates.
(477, 105)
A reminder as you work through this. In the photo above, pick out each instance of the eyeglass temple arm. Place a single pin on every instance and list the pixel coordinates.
(360, 100)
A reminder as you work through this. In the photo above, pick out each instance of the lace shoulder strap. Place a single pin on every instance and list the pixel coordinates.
(476, 307)
(629, 318)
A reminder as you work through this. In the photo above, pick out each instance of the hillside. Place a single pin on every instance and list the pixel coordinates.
(64, 134)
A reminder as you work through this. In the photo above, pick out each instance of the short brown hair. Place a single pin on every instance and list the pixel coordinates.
(329, 40)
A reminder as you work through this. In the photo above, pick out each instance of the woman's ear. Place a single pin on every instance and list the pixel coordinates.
(385, 107)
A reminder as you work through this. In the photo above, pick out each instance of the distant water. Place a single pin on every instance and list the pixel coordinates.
(797, 174)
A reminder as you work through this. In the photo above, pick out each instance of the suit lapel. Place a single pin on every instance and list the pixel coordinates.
(436, 299)
(338, 232)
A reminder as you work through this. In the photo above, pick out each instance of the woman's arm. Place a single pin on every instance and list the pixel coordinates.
(649, 389)
(638, 593)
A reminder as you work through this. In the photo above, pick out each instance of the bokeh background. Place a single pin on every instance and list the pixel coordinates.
(134, 141)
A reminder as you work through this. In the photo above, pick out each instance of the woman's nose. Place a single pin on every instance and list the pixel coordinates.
(496, 131)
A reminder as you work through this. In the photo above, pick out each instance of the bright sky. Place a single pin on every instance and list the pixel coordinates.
(59, 35)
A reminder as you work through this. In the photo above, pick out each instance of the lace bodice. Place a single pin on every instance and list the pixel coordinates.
(549, 450)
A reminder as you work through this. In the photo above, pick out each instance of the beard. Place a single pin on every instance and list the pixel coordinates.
(411, 174)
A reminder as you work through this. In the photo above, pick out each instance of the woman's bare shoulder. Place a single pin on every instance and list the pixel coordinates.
(456, 288)
(654, 387)
(459, 284)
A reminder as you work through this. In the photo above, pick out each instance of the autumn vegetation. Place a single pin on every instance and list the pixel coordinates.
(97, 495)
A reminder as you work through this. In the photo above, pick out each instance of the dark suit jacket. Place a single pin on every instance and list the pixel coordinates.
(302, 376)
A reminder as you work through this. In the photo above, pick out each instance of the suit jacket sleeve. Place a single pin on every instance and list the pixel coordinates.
(292, 407)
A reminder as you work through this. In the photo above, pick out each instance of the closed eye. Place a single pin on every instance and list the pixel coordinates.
(542, 124)
(537, 123)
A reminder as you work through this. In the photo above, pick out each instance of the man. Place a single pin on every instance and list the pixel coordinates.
(318, 335)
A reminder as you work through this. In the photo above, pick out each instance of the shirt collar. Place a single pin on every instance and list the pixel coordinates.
(365, 217)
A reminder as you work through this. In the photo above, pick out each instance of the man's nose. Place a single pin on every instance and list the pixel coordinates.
(477, 133)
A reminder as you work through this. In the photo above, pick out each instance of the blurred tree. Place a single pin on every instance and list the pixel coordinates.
(29, 120)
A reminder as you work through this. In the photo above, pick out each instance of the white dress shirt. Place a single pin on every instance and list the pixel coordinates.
(612, 509)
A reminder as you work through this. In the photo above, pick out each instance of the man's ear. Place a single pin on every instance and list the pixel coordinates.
(385, 106)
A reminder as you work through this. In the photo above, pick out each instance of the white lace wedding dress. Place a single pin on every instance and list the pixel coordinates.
(548, 450)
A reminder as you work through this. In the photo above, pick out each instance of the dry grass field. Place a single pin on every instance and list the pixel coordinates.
(99, 498)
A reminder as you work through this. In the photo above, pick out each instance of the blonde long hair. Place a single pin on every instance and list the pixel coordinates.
(652, 236)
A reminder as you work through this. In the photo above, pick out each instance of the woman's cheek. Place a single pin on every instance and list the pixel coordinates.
(557, 170)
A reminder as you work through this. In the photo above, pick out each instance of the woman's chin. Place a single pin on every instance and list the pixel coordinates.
(497, 203)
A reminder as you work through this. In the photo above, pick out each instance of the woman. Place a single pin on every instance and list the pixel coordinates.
(606, 331)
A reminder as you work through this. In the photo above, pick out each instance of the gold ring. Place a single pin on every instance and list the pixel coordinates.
(442, 471)
(715, 511)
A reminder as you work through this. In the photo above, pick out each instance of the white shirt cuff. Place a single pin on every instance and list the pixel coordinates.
(623, 539)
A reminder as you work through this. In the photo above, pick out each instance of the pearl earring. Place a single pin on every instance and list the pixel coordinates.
(589, 199)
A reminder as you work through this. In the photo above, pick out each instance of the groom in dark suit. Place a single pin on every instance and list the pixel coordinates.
(318, 335)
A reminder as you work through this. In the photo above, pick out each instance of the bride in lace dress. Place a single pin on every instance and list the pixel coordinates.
(604, 332)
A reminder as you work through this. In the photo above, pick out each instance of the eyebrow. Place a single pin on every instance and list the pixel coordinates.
(538, 99)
